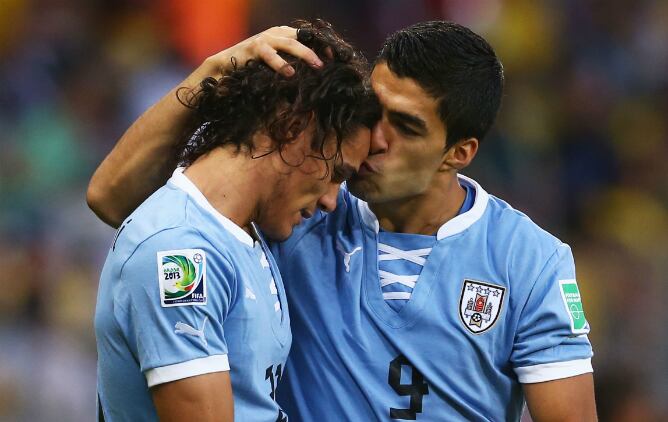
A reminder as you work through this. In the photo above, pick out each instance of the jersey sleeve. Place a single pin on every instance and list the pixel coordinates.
(551, 339)
(173, 298)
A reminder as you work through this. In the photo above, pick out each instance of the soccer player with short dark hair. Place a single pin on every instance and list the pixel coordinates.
(422, 297)
(192, 321)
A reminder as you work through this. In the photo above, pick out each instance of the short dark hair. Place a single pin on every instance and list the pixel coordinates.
(253, 97)
(454, 65)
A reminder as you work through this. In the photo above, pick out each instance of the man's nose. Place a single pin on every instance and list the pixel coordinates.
(327, 202)
(378, 142)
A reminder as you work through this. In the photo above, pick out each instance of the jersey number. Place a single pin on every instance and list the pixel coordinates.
(273, 382)
(416, 389)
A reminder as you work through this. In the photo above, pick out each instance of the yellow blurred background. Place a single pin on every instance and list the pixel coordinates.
(579, 145)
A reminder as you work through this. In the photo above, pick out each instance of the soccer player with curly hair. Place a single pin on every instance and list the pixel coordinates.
(421, 297)
(192, 321)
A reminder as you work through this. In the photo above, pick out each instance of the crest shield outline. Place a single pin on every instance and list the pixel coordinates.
(480, 304)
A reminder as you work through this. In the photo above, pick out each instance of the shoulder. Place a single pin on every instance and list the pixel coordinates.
(518, 233)
(166, 223)
(173, 267)
(518, 247)
(163, 211)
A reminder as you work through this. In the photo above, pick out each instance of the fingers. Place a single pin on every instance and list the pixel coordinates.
(283, 39)
(266, 47)
(296, 49)
(267, 54)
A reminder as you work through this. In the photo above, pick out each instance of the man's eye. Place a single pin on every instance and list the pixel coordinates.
(406, 130)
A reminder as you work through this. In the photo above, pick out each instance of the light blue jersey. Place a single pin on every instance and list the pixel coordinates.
(401, 257)
(495, 305)
(186, 292)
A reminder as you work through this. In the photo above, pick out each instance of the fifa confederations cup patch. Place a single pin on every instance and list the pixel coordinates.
(573, 303)
(480, 305)
(182, 277)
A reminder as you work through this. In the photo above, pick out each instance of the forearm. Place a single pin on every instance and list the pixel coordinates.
(563, 400)
(143, 158)
(205, 398)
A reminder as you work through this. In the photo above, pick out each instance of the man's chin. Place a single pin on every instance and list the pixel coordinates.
(275, 234)
(371, 192)
(363, 189)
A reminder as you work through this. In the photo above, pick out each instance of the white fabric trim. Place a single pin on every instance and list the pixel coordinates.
(182, 182)
(397, 295)
(454, 226)
(466, 220)
(368, 216)
(392, 253)
(191, 368)
(272, 287)
(553, 371)
(417, 256)
(387, 278)
(390, 257)
(401, 254)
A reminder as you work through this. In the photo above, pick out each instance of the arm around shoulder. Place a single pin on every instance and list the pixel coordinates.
(143, 158)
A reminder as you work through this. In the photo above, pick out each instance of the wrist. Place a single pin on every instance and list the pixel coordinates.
(210, 67)
(215, 65)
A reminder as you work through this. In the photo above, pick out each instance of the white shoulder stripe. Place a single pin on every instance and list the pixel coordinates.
(553, 371)
(191, 368)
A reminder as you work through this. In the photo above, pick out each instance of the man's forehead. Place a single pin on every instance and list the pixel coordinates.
(355, 148)
(403, 95)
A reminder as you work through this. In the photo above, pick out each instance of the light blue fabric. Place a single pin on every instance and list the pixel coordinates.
(136, 334)
(354, 358)
(409, 242)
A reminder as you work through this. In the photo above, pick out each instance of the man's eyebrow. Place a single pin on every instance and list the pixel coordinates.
(413, 121)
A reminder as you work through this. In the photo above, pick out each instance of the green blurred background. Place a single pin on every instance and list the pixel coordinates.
(579, 145)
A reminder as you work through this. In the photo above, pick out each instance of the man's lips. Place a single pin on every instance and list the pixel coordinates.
(306, 213)
(367, 168)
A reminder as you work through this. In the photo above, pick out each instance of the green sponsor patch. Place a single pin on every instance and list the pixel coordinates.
(571, 295)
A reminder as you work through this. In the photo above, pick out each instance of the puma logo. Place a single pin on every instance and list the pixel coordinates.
(185, 329)
(347, 255)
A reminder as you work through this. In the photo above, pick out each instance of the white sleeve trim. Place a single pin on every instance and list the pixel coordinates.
(191, 368)
(553, 371)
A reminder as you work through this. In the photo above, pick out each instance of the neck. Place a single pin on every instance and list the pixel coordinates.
(231, 181)
(424, 213)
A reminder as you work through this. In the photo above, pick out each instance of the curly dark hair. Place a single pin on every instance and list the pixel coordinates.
(253, 97)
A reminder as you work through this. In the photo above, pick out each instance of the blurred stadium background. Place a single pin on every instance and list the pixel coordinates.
(580, 145)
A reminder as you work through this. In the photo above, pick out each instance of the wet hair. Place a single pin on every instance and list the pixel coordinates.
(253, 97)
(455, 66)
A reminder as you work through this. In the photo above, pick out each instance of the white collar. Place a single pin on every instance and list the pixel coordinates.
(182, 182)
(451, 227)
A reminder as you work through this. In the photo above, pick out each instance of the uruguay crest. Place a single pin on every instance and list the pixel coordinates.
(480, 305)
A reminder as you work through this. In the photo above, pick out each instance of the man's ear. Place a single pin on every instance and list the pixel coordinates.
(298, 132)
(290, 129)
(296, 126)
(460, 155)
